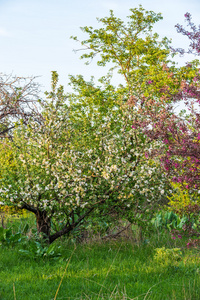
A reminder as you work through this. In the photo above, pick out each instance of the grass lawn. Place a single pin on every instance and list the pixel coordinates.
(111, 270)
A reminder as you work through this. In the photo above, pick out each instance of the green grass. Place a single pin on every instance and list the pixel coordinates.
(99, 271)
(111, 270)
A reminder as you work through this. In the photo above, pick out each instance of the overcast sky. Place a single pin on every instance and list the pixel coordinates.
(35, 34)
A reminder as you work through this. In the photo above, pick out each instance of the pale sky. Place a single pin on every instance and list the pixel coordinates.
(35, 34)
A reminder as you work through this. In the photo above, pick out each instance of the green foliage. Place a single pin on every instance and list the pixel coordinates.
(181, 226)
(12, 210)
(121, 43)
(34, 249)
(168, 256)
(184, 205)
(168, 220)
(24, 237)
(135, 51)
(8, 238)
(180, 198)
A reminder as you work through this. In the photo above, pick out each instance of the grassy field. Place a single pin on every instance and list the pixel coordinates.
(103, 270)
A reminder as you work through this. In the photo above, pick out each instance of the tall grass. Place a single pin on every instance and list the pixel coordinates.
(121, 269)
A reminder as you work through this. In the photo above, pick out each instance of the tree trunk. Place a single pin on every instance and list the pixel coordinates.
(43, 223)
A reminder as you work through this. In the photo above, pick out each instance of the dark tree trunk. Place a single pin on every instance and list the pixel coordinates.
(42, 220)
(43, 223)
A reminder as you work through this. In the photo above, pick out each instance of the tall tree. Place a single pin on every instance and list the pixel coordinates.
(134, 51)
(180, 134)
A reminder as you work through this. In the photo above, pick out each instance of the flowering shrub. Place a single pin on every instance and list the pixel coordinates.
(179, 135)
(62, 175)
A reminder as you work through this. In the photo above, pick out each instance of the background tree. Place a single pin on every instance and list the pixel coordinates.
(18, 101)
(180, 134)
(135, 52)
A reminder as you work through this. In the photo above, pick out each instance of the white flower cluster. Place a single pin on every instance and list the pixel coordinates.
(60, 170)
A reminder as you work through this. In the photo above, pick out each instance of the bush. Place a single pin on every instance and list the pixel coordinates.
(168, 256)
